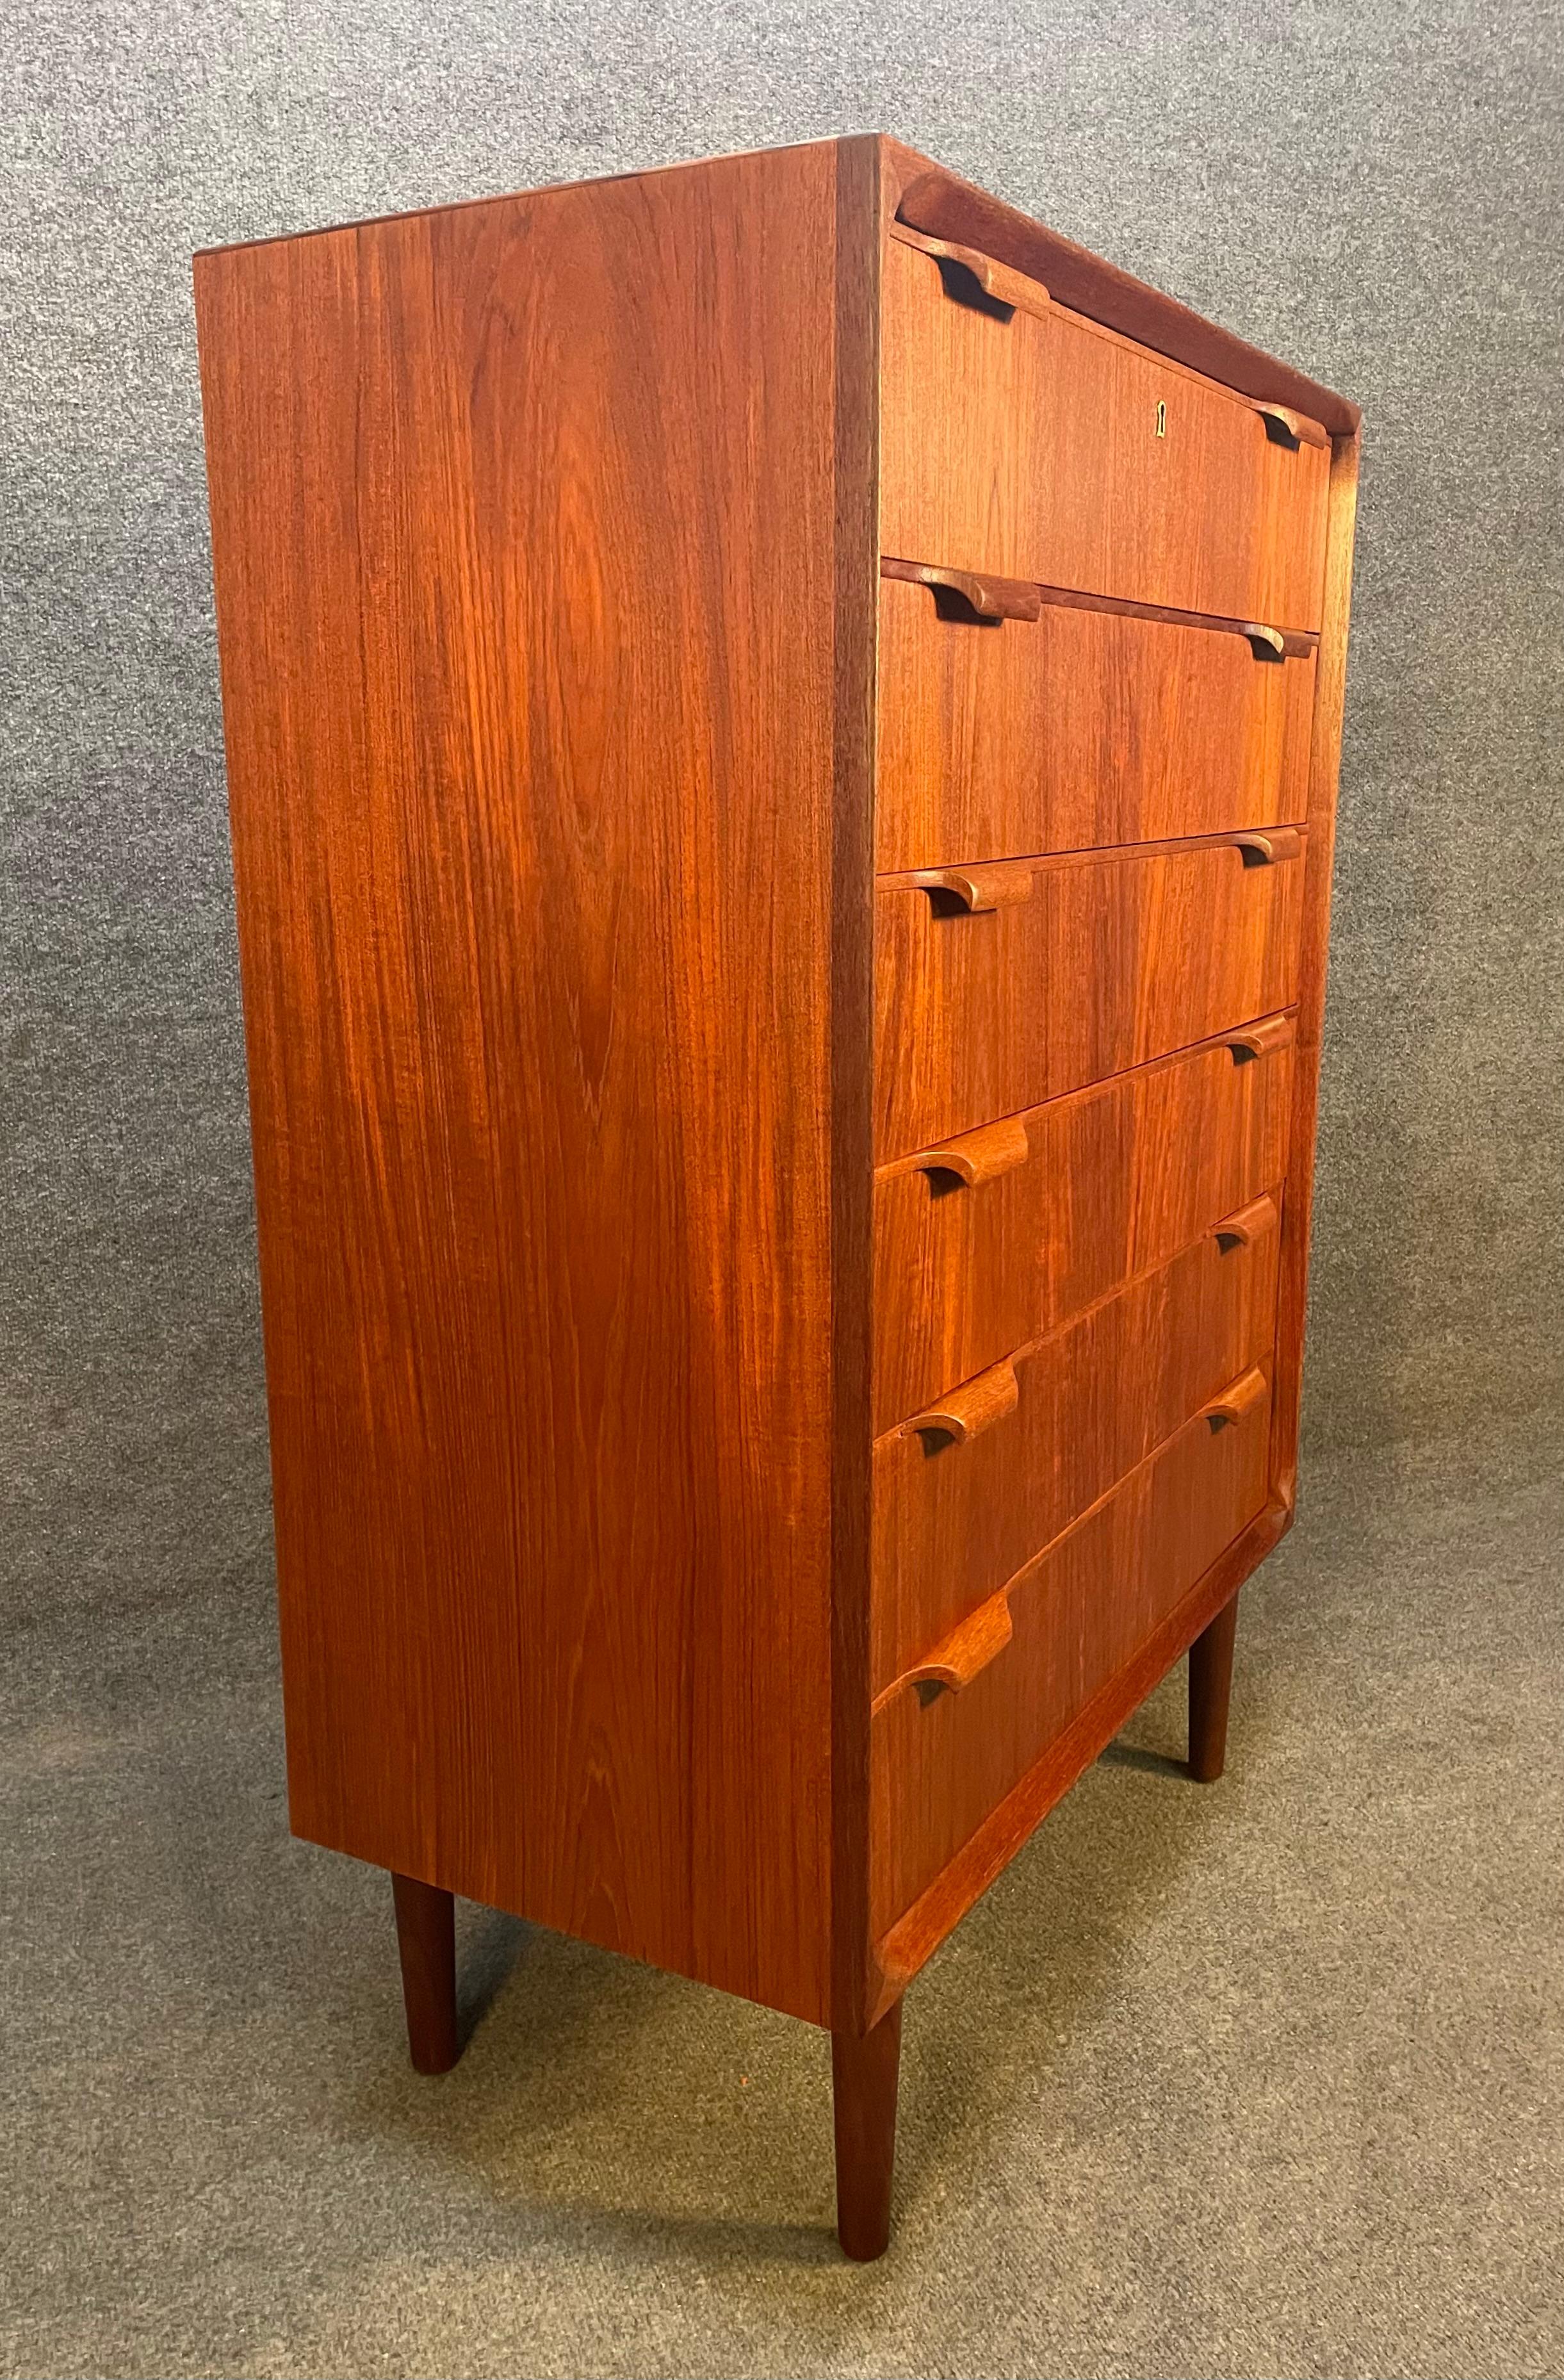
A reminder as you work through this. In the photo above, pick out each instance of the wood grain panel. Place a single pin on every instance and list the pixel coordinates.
(536, 909)
(939, 204)
(919, 1931)
(1030, 447)
(1079, 1615)
(1074, 729)
(954, 1521)
(1083, 966)
(1084, 1192)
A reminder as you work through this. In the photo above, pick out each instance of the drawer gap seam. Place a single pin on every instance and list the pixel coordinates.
(1020, 1577)
(1031, 1347)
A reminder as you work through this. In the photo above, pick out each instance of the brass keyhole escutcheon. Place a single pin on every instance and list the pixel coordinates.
(1162, 419)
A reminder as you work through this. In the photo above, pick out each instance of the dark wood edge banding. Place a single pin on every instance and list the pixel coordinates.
(861, 207)
(943, 207)
(919, 1932)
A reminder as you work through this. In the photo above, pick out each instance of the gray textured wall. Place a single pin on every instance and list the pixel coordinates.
(1370, 188)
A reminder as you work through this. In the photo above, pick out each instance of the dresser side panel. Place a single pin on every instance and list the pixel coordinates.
(524, 537)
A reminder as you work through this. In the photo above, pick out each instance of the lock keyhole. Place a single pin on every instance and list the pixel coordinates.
(1162, 419)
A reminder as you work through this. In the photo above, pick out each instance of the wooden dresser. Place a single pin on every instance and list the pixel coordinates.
(783, 727)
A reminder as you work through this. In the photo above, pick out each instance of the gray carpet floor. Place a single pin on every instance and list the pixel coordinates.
(1262, 2080)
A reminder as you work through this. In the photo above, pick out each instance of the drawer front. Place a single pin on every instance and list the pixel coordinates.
(1068, 970)
(1076, 1618)
(961, 1504)
(989, 1241)
(1034, 448)
(1077, 729)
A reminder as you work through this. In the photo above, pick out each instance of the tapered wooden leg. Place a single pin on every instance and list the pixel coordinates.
(1210, 1683)
(426, 1937)
(863, 2070)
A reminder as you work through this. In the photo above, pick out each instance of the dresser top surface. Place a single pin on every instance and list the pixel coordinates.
(929, 198)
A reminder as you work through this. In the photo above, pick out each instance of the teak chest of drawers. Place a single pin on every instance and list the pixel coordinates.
(782, 724)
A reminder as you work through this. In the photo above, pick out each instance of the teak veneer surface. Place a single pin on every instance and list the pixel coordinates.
(1078, 1614)
(931, 201)
(954, 1521)
(918, 1932)
(538, 1030)
(1029, 446)
(1077, 728)
(979, 1014)
(1085, 1191)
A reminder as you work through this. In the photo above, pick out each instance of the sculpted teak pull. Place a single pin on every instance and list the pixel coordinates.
(1258, 1040)
(1274, 644)
(1234, 1403)
(979, 889)
(1265, 642)
(990, 599)
(1001, 282)
(1249, 1223)
(978, 1156)
(958, 1657)
(1285, 428)
(1263, 850)
(968, 1411)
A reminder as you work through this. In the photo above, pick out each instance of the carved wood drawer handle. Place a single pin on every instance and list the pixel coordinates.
(979, 889)
(968, 1411)
(1249, 1223)
(1274, 644)
(1001, 283)
(1258, 1040)
(958, 1657)
(1285, 428)
(979, 1157)
(1264, 850)
(989, 598)
(1234, 1403)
